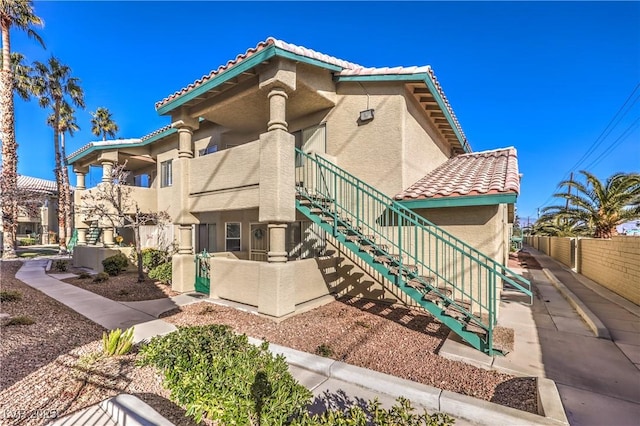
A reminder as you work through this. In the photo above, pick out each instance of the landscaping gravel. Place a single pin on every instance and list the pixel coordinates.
(50, 367)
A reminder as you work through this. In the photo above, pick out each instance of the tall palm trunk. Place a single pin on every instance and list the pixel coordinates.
(62, 226)
(66, 188)
(8, 182)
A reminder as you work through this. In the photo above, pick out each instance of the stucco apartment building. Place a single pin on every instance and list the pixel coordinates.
(37, 209)
(306, 175)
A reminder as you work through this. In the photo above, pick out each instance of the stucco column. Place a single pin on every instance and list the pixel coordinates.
(80, 180)
(185, 150)
(277, 109)
(107, 237)
(185, 245)
(107, 170)
(277, 242)
(183, 266)
(82, 236)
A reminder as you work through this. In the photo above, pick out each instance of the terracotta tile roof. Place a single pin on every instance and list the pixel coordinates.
(36, 184)
(348, 69)
(478, 173)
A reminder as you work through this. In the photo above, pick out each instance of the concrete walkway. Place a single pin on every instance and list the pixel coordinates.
(578, 334)
(343, 383)
(598, 379)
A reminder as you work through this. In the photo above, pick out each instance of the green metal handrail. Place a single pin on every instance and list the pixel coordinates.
(452, 265)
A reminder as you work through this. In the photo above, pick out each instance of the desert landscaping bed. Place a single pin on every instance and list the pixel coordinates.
(47, 365)
(387, 338)
(124, 287)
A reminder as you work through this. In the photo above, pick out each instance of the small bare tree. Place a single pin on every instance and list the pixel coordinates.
(113, 201)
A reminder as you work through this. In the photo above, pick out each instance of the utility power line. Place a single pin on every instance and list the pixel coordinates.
(613, 123)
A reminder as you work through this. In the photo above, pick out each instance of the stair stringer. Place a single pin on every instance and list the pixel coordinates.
(459, 327)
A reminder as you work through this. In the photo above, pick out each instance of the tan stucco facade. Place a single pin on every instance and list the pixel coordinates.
(231, 159)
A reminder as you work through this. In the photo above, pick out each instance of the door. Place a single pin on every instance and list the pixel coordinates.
(259, 242)
(207, 238)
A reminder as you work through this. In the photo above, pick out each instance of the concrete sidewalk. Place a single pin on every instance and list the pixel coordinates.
(578, 334)
(343, 383)
(598, 379)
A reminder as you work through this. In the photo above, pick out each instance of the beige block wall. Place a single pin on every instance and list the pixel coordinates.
(560, 249)
(613, 263)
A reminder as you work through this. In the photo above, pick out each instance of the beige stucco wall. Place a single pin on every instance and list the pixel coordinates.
(422, 149)
(371, 151)
(226, 180)
(240, 280)
(613, 263)
(92, 256)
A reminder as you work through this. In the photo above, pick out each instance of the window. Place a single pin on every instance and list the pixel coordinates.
(141, 181)
(208, 150)
(166, 173)
(232, 236)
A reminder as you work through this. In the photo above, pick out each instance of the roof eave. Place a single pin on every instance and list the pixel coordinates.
(75, 158)
(238, 69)
(423, 78)
(460, 201)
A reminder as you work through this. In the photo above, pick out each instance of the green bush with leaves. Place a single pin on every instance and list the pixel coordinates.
(117, 342)
(218, 375)
(402, 413)
(26, 241)
(61, 266)
(161, 273)
(101, 277)
(152, 258)
(10, 296)
(115, 264)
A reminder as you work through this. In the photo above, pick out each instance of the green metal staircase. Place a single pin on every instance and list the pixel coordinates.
(94, 233)
(452, 280)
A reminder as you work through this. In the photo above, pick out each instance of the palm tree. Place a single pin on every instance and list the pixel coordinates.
(103, 124)
(600, 206)
(13, 14)
(53, 85)
(553, 225)
(66, 124)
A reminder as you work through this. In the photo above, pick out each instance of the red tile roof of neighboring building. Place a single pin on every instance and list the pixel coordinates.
(348, 69)
(478, 173)
(36, 184)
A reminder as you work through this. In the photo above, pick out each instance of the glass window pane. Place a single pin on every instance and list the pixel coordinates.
(233, 230)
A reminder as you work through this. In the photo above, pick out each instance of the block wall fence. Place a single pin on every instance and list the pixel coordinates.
(613, 263)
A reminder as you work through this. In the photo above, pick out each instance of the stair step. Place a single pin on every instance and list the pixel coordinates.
(375, 248)
(384, 258)
(423, 279)
(404, 270)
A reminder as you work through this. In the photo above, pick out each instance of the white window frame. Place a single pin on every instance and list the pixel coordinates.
(166, 173)
(227, 238)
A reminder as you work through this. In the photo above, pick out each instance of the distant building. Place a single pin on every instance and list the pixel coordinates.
(40, 217)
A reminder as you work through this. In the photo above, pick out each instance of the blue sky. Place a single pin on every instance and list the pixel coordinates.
(545, 77)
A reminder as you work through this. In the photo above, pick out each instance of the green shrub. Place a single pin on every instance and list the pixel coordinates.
(26, 241)
(61, 266)
(84, 275)
(21, 320)
(402, 413)
(218, 375)
(115, 264)
(101, 277)
(161, 273)
(324, 350)
(152, 258)
(117, 342)
(10, 296)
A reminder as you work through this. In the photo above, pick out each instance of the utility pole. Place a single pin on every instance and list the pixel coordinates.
(566, 207)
